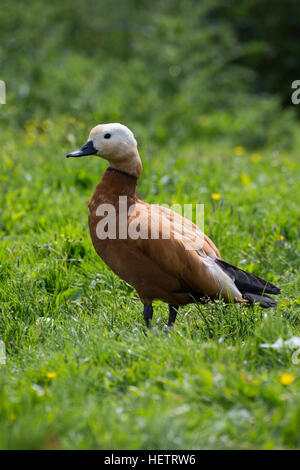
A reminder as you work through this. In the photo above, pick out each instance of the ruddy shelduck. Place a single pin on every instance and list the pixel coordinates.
(183, 267)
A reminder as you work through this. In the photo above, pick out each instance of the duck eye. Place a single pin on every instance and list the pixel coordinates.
(107, 136)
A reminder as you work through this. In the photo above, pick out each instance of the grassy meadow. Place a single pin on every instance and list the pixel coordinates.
(205, 86)
(80, 371)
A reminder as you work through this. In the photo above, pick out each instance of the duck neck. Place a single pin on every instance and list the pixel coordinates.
(130, 163)
(113, 184)
(121, 182)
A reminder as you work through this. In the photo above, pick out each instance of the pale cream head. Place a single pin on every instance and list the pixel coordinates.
(116, 143)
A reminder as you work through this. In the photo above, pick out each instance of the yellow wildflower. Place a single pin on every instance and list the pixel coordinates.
(8, 162)
(12, 416)
(281, 237)
(216, 196)
(30, 125)
(30, 139)
(255, 157)
(51, 375)
(239, 150)
(245, 179)
(287, 379)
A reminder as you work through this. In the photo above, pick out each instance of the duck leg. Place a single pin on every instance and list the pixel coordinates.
(148, 314)
(173, 310)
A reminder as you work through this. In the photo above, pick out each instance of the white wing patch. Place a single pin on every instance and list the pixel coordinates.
(226, 283)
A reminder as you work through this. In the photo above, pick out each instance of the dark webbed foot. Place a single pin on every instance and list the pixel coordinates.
(173, 310)
(148, 314)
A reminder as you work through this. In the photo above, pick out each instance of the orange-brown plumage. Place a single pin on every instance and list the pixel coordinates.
(176, 270)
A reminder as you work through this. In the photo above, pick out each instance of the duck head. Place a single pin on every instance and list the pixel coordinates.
(115, 143)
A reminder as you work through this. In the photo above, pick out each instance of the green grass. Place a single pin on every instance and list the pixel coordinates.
(80, 371)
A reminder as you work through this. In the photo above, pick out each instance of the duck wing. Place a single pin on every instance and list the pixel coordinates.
(191, 229)
(180, 249)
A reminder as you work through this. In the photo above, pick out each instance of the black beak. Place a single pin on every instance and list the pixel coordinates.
(87, 149)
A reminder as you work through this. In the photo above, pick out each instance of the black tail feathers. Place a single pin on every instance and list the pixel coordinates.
(253, 288)
(264, 301)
